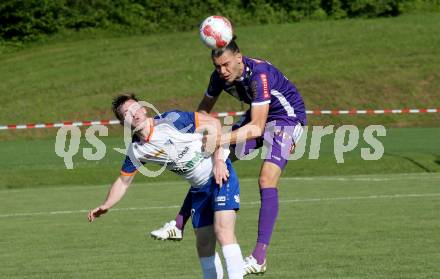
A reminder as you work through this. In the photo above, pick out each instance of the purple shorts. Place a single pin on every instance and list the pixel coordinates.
(279, 138)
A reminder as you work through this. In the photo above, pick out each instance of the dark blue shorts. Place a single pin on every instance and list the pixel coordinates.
(210, 198)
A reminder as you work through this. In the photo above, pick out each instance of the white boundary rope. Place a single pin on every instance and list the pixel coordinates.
(224, 114)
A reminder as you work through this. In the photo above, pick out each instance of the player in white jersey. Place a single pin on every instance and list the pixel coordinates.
(173, 141)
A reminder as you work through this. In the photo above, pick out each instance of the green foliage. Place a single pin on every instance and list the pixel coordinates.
(414, 6)
(334, 9)
(29, 19)
(372, 8)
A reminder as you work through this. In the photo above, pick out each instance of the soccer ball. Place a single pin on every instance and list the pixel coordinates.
(216, 32)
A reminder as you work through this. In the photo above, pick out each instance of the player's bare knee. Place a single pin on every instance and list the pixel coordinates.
(264, 181)
(224, 234)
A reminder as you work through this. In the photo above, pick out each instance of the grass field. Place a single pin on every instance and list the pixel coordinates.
(367, 226)
(360, 219)
(34, 164)
(381, 223)
(366, 63)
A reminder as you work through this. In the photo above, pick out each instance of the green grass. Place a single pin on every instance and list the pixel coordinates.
(33, 163)
(369, 226)
(360, 219)
(374, 63)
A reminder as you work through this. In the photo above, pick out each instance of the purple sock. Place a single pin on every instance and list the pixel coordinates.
(181, 221)
(266, 222)
(184, 213)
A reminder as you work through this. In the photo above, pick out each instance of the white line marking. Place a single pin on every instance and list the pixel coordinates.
(394, 196)
(359, 177)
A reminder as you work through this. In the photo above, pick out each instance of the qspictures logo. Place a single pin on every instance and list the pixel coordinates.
(296, 142)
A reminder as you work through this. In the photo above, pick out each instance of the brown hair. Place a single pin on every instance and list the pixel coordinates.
(118, 101)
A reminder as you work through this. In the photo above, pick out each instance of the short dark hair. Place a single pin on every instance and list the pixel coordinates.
(232, 46)
(118, 101)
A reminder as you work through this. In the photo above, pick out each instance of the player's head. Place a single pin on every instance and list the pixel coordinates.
(228, 61)
(127, 109)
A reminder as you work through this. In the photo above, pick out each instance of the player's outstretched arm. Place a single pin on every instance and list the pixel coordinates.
(115, 194)
(251, 130)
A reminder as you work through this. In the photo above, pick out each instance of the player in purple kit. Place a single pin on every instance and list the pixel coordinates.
(276, 118)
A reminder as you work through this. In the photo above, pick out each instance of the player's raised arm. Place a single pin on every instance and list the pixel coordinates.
(207, 104)
(115, 194)
(212, 93)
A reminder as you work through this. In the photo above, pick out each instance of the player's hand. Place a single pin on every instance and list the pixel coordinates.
(210, 143)
(221, 172)
(95, 213)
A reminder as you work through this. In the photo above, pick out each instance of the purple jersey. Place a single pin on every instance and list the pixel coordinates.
(261, 83)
